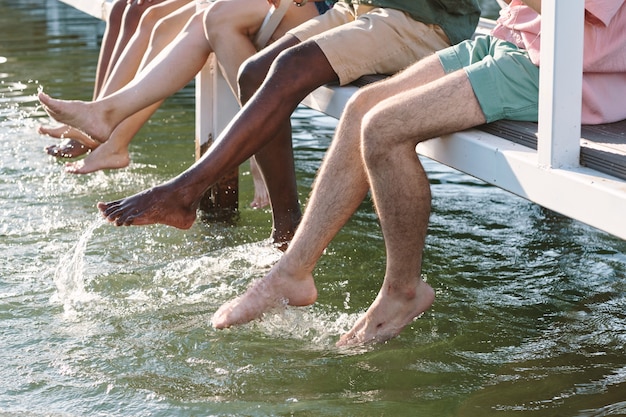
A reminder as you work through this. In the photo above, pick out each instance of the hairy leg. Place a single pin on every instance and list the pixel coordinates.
(340, 186)
(401, 191)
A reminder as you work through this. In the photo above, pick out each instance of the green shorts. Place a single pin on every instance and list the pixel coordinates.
(505, 81)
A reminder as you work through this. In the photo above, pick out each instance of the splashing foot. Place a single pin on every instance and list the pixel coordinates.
(164, 204)
(106, 156)
(275, 290)
(83, 116)
(390, 312)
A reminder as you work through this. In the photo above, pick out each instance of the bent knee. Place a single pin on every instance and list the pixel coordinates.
(251, 75)
(226, 16)
(378, 140)
(150, 18)
(166, 29)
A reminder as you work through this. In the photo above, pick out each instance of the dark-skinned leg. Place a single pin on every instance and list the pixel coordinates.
(276, 158)
(175, 202)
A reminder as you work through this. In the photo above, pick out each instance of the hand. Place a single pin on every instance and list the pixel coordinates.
(274, 3)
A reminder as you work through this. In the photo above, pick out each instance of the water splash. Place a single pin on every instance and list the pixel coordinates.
(69, 278)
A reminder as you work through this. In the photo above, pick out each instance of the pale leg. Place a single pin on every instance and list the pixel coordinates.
(133, 44)
(401, 193)
(121, 23)
(339, 188)
(114, 152)
(98, 119)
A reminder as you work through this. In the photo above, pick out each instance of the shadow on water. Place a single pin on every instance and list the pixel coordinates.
(97, 320)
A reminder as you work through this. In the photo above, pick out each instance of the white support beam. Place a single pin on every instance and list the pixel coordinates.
(580, 193)
(330, 99)
(216, 104)
(560, 82)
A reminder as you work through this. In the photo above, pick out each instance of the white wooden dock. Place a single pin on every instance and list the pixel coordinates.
(550, 175)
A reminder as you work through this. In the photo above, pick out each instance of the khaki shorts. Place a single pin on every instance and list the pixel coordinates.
(504, 79)
(361, 40)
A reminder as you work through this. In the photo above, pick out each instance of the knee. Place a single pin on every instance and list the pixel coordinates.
(135, 13)
(251, 75)
(149, 19)
(288, 71)
(219, 18)
(376, 142)
(362, 108)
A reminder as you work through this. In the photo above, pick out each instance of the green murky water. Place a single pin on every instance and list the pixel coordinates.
(102, 321)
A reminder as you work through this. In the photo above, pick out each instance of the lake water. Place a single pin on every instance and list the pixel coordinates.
(102, 321)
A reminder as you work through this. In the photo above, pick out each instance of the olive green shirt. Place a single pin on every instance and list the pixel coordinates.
(457, 18)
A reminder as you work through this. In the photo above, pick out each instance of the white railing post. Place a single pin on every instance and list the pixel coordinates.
(216, 104)
(560, 83)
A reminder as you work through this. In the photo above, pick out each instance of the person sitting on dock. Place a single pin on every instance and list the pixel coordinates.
(175, 35)
(130, 32)
(354, 38)
(477, 81)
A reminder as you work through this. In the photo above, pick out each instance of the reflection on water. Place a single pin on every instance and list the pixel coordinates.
(97, 320)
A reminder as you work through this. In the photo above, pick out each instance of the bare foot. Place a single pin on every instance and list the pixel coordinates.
(389, 314)
(261, 196)
(163, 204)
(76, 143)
(69, 148)
(275, 290)
(78, 114)
(103, 157)
(68, 132)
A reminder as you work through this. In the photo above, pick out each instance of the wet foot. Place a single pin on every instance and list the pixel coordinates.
(75, 142)
(78, 114)
(273, 291)
(103, 157)
(68, 132)
(388, 315)
(69, 148)
(163, 204)
(261, 196)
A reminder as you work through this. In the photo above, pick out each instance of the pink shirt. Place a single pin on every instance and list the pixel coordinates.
(604, 61)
